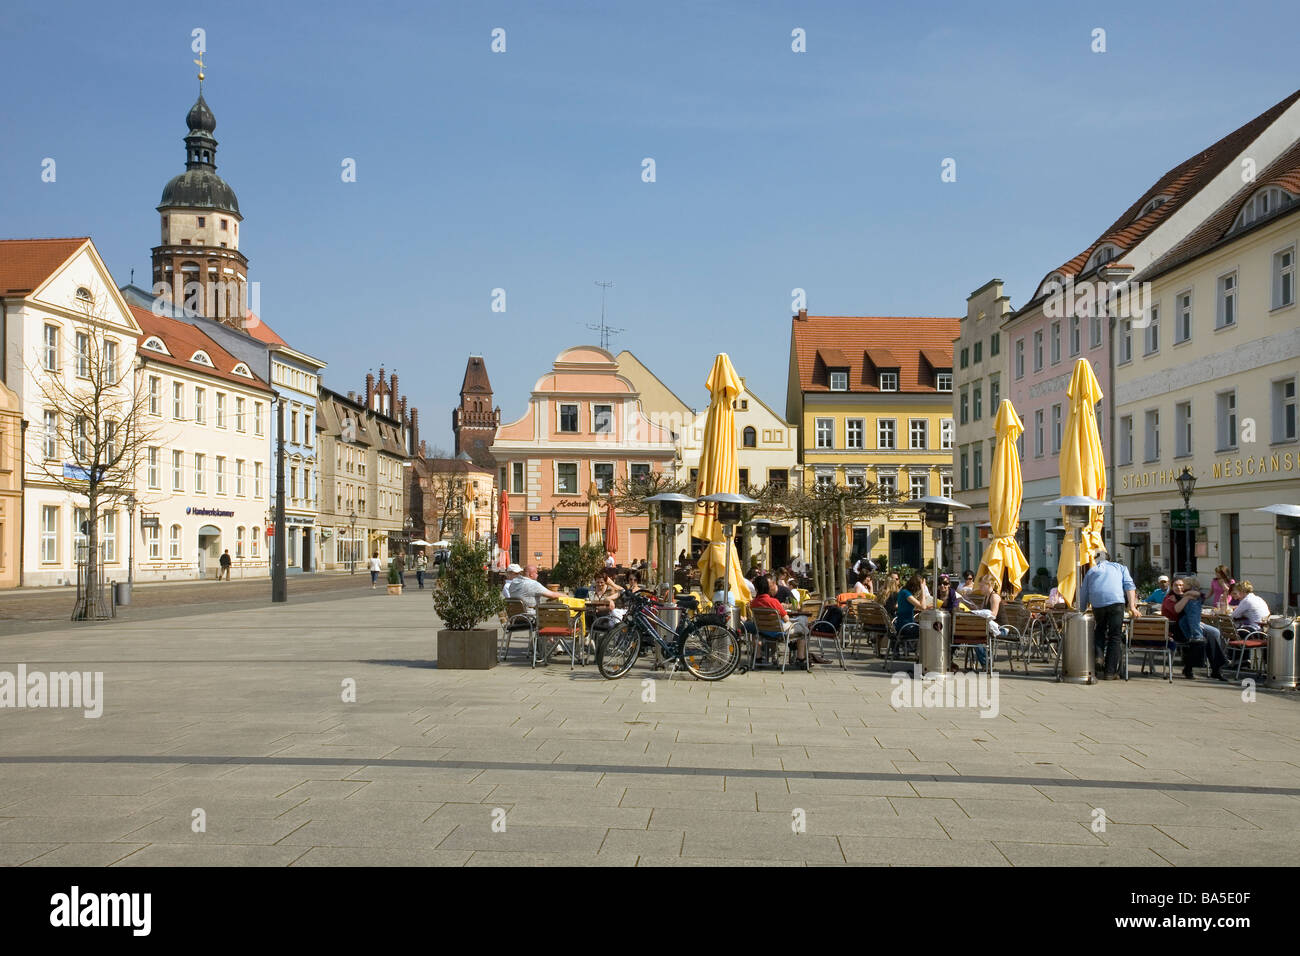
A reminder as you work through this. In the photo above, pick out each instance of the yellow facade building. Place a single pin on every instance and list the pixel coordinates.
(873, 398)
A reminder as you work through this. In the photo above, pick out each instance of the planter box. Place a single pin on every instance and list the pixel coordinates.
(394, 589)
(467, 650)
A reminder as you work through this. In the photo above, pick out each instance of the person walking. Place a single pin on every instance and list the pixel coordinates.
(1108, 587)
(401, 569)
(373, 566)
(421, 565)
(224, 573)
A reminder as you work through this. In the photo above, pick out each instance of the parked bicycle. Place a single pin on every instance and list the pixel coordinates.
(709, 650)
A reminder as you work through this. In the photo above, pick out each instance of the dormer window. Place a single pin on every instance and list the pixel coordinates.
(155, 344)
(1103, 255)
(889, 381)
(1264, 203)
(83, 295)
(943, 381)
(839, 380)
(201, 358)
(241, 369)
(1153, 205)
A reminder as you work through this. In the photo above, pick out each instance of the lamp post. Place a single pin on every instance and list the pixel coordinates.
(352, 541)
(555, 541)
(130, 558)
(279, 582)
(1186, 485)
(407, 524)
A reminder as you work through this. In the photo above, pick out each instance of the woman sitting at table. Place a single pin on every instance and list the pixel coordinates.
(889, 594)
(992, 607)
(606, 591)
(766, 598)
(863, 585)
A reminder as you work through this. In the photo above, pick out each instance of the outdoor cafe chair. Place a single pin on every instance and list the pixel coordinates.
(558, 629)
(772, 629)
(821, 626)
(899, 640)
(515, 620)
(1014, 624)
(1150, 635)
(970, 631)
(874, 622)
(1246, 643)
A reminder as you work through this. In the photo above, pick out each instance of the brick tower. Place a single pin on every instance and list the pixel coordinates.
(475, 422)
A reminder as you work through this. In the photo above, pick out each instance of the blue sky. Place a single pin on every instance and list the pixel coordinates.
(522, 170)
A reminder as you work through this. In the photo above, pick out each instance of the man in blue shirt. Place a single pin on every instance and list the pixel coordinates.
(1162, 589)
(1108, 587)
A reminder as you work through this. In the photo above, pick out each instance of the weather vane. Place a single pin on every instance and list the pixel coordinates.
(199, 64)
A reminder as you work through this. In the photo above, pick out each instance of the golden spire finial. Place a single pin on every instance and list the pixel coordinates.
(199, 64)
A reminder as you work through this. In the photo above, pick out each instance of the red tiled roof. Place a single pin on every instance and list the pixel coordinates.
(882, 358)
(902, 338)
(259, 330)
(183, 340)
(833, 358)
(26, 263)
(1283, 171)
(1180, 184)
(937, 359)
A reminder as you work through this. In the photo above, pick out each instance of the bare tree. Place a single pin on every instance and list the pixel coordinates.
(100, 415)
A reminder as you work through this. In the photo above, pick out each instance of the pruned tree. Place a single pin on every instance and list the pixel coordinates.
(99, 413)
(629, 496)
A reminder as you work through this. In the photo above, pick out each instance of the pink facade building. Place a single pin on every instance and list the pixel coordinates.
(584, 423)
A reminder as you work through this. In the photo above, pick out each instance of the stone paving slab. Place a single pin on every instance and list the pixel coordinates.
(239, 712)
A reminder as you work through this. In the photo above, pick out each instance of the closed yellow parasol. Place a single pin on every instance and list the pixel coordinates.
(1003, 558)
(718, 475)
(1083, 472)
(595, 531)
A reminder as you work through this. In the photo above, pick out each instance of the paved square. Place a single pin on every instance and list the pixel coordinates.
(240, 715)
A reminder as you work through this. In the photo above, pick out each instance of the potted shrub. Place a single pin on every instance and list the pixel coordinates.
(394, 578)
(464, 597)
(577, 567)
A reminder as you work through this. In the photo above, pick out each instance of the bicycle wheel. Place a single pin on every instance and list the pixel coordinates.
(617, 651)
(710, 651)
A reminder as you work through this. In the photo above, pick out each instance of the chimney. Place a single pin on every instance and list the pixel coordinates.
(424, 452)
(392, 397)
(370, 387)
(415, 428)
(803, 315)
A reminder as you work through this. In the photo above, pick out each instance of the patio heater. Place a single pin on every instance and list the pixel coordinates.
(1288, 527)
(1077, 660)
(763, 531)
(670, 513)
(1282, 658)
(935, 512)
(935, 627)
(730, 513)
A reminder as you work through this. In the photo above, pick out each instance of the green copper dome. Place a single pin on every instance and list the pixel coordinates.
(199, 187)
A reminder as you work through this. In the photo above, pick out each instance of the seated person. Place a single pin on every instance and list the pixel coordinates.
(1221, 587)
(1055, 597)
(766, 598)
(1251, 610)
(863, 584)
(784, 593)
(607, 591)
(723, 597)
(909, 602)
(992, 602)
(522, 585)
(1157, 597)
(1182, 605)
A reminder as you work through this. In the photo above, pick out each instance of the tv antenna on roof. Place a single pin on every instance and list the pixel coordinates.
(604, 330)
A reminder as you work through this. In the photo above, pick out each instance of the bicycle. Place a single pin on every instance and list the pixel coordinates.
(710, 651)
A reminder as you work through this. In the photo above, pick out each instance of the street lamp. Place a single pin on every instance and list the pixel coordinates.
(1186, 485)
(130, 558)
(407, 524)
(555, 543)
(352, 541)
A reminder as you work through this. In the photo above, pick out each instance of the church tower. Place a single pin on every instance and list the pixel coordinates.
(475, 422)
(198, 263)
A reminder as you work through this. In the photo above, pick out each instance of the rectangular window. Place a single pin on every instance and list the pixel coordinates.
(257, 418)
(1125, 341)
(1284, 410)
(839, 381)
(1038, 350)
(856, 481)
(155, 395)
(49, 533)
(1076, 335)
(1038, 433)
(963, 406)
(887, 485)
(638, 473)
(965, 357)
(1126, 440)
(603, 475)
(200, 406)
(516, 477)
(995, 394)
(153, 468)
(239, 415)
(1153, 332)
(568, 418)
(918, 429)
(308, 436)
(824, 482)
(110, 363)
(889, 381)
(920, 486)
(1227, 311)
(50, 348)
(109, 536)
(566, 476)
(1226, 419)
(292, 489)
(1152, 450)
(83, 355)
(979, 352)
(1182, 429)
(239, 477)
(50, 436)
(221, 474)
(174, 543)
(978, 410)
(1020, 358)
(1183, 322)
(257, 479)
(178, 401)
(293, 424)
(778, 477)
(80, 440)
(1056, 428)
(885, 432)
(854, 433)
(1284, 278)
(742, 478)
(995, 344)
(602, 419)
(943, 381)
(1094, 331)
(965, 469)
(1056, 342)
(947, 430)
(178, 476)
(977, 458)
(825, 429)
(200, 463)
(945, 485)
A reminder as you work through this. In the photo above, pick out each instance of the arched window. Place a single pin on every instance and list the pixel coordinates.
(83, 295)
(749, 438)
(239, 541)
(254, 540)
